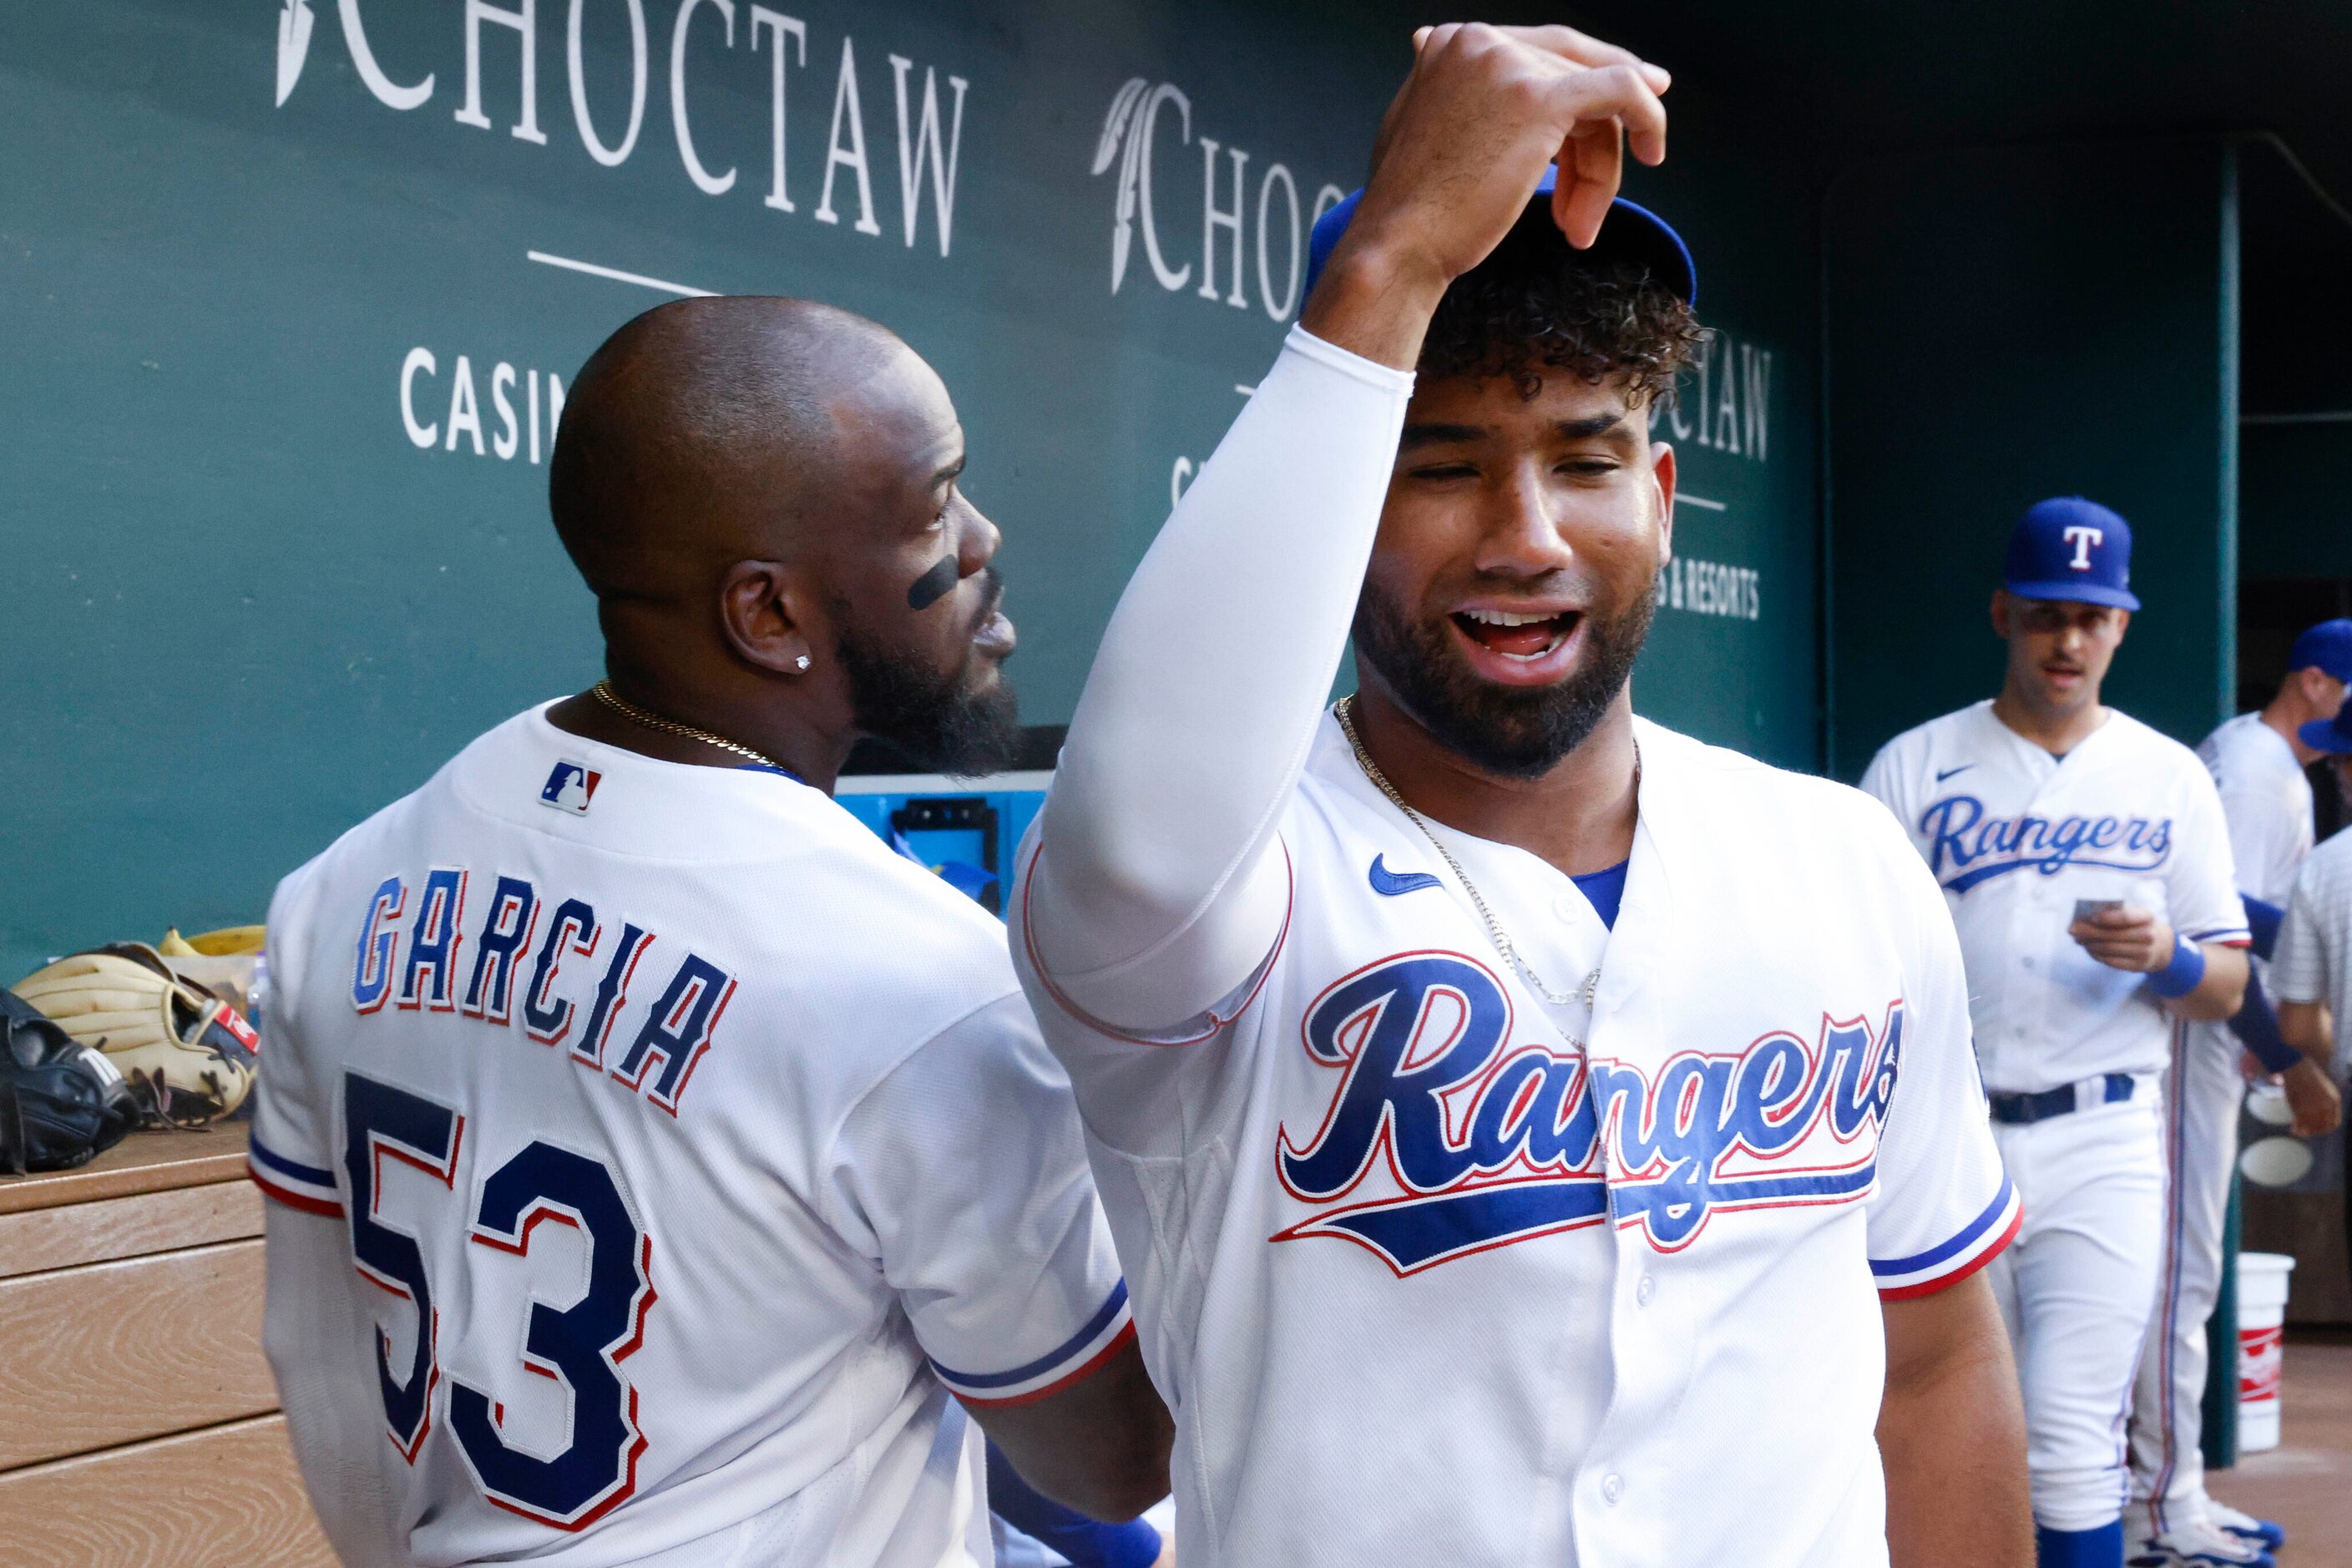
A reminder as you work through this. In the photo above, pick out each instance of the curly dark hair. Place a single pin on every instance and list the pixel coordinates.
(1529, 308)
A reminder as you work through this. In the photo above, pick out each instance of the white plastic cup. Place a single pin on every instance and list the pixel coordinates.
(2262, 1348)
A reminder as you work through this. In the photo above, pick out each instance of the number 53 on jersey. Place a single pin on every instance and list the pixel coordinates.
(575, 1334)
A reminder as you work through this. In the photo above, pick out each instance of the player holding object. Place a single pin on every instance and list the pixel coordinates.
(2087, 866)
(2257, 762)
(1534, 1136)
(622, 965)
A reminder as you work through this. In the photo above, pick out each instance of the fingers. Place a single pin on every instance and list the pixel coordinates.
(1591, 165)
(1586, 50)
(2126, 949)
(1606, 108)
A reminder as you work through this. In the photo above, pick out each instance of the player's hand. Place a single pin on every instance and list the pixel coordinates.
(2313, 1098)
(1481, 113)
(2126, 938)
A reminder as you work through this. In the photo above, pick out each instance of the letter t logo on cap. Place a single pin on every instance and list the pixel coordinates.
(2083, 539)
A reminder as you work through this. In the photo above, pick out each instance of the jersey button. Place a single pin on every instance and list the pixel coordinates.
(1613, 1488)
(2028, 962)
(1642, 1291)
(1567, 906)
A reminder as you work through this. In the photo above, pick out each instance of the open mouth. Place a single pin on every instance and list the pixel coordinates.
(1527, 638)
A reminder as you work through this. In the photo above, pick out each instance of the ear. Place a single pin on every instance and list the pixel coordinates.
(2001, 606)
(2123, 624)
(771, 617)
(1662, 473)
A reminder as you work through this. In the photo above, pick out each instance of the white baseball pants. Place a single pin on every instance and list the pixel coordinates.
(2077, 1288)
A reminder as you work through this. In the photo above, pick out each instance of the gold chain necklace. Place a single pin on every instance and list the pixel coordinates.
(603, 691)
(1495, 931)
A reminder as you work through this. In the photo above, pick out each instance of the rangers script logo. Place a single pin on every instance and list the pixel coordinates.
(1966, 847)
(1443, 1138)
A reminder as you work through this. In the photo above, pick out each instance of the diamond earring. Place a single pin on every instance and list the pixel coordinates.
(801, 663)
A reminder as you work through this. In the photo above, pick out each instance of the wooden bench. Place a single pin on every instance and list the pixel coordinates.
(138, 1421)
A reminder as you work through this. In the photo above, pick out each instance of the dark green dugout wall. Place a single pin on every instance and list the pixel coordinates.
(2005, 324)
(293, 288)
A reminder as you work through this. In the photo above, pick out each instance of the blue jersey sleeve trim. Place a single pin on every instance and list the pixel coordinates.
(2262, 922)
(1045, 1363)
(1969, 1235)
(279, 1163)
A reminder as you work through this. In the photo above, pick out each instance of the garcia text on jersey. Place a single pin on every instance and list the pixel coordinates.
(1966, 847)
(413, 946)
(1445, 1137)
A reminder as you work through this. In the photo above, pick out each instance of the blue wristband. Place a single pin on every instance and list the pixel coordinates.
(2179, 977)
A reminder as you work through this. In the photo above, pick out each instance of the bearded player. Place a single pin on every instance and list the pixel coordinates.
(815, 1186)
(1534, 1136)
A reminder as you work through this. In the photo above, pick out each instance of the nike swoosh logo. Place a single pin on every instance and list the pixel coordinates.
(1390, 884)
(1944, 773)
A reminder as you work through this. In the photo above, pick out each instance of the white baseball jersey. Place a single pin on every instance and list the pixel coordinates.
(2016, 836)
(2313, 962)
(2266, 799)
(808, 1163)
(1433, 1270)
(1430, 1269)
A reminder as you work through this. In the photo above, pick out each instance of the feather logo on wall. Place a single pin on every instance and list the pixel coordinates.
(294, 24)
(1128, 126)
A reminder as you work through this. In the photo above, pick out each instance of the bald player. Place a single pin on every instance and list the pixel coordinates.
(816, 1187)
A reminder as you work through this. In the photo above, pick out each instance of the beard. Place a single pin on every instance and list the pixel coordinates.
(1511, 732)
(943, 722)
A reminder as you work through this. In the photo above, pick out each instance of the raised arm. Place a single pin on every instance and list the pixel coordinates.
(1157, 888)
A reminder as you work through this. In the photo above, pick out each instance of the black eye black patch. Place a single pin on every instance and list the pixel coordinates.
(932, 586)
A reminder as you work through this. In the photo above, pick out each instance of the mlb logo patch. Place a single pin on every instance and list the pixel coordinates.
(570, 788)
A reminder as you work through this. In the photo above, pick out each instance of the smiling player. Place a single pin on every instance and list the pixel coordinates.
(1534, 1136)
(2088, 869)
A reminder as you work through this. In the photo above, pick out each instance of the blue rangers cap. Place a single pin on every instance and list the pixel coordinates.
(1630, 233)
(2325, 648)
(2067, 548)
(2333, 736)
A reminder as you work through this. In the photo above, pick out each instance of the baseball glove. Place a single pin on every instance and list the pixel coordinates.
(188, 1055)
(61, 1104)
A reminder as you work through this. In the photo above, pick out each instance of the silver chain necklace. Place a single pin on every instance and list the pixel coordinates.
(603, 691)
(1503, 946)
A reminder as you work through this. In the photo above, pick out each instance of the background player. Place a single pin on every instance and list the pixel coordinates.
(1498, 1099)
(2313, 969)
(2257, 760)
(2087, 866)
(622, 966)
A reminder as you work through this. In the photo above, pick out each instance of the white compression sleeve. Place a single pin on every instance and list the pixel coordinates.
(1158, 890)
